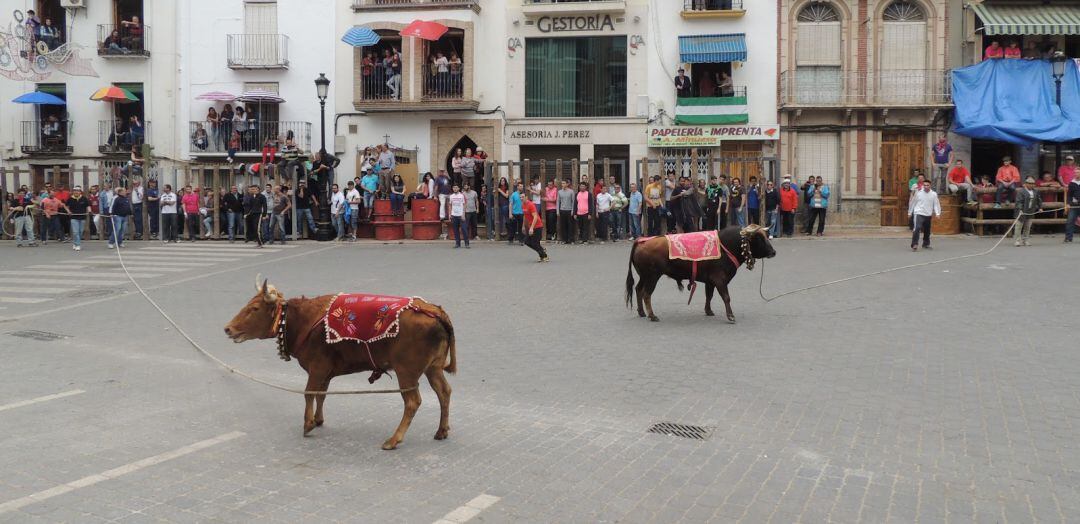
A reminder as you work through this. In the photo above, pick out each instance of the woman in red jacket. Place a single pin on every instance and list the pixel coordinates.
(789, 202)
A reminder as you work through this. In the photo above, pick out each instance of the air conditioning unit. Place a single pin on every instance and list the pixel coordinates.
(72, 4)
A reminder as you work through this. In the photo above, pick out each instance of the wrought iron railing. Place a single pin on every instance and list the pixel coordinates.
(443, 82)
(118, 136)
(712, 5)
(722, 92)
(828, 86)
(377, 84)
(540, 2)
(123, 40)
(49, 136)
(247, 137)
(360, 4)
(257, 51)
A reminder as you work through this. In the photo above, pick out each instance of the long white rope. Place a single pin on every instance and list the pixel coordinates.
(761, 283)
(217, 360)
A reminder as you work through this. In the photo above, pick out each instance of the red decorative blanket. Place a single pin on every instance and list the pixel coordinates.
(364, 318)
(703, 245)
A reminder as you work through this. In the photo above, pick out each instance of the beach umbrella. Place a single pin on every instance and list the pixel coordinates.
(360, 37)
(39, 98)
(424, 29)
(217, 96)
(259, 96)
(116, 95)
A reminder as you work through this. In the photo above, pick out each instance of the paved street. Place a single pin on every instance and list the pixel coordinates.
(944, 393)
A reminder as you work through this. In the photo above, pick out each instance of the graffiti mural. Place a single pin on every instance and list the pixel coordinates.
(23, 57)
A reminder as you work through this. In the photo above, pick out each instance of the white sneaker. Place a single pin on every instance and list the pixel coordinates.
(78, 248)
(74, 248)
(111, 246)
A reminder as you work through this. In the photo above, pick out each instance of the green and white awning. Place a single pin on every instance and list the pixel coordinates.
(1028, 19)
(711, 110)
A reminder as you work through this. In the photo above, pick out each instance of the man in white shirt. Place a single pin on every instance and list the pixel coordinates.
(603, 212)
(168, 215)
(458, 224)
(137, 193)
(923, 206)
(337, 211)
(352, 196)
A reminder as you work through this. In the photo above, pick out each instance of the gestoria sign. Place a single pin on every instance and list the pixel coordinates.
(709, 136)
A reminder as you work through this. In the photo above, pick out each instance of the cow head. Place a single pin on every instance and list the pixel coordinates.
(755, 244)
(256, 319)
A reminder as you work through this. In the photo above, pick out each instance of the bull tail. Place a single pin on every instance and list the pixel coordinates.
(630, 276)
(444, 319)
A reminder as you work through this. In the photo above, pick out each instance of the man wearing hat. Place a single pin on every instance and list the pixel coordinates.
(1027, 204)
(1067, 171)
(682, 84)
(1007, 179)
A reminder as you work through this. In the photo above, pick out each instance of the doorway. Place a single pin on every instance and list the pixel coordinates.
(986, 157)
(901, 155)
(465, 142)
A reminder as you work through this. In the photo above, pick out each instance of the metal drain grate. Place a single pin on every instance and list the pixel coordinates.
(92, 293)
(682, 430)
(43, 336)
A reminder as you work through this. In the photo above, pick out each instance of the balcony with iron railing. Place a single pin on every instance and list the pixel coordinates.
(377, 5)
(123, 41)
(48, 137)
(562, 7)
(116, 137)
(258, 51)
(712, 9)
(443, 82)
(829, 87)
(205, 139)
(447, 90)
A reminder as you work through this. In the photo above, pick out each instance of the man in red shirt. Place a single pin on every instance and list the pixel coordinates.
(1007, 179)
(789, 202)
(960, 180)
(534, 228)
(62, 194)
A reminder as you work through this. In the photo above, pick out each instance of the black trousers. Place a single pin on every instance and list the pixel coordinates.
(551, 217)
(689, 223)
(816, 214)
(566, 226)
(582, 228)
(252, 229)
(533, 241)
(754, 215)
(922, 225)
(168, 227)
(652, 215)
(192, 225)
(787, 223)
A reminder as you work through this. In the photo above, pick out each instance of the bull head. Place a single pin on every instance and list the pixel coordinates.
(256, 318)
(756, 244)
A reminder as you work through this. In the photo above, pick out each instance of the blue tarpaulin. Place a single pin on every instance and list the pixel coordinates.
(1014, 101)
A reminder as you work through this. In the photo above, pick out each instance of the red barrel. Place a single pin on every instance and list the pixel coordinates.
(388, 225)
(425, 215)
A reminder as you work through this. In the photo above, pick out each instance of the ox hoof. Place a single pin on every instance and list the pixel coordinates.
(318, 423)
(654, 318)
(389, 444)
(731, 319)
(308, 426)
(709, 313)
(442, 433)
(641, 313)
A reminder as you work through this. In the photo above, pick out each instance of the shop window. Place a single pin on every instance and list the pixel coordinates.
(575, 77)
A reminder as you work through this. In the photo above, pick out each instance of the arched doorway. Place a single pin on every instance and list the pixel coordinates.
(463, 143)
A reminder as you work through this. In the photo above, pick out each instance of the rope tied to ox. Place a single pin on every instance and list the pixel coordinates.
(232, 369)
(761, 283)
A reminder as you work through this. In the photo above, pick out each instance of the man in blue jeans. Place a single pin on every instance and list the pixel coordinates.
(772, 209)
(304, 201)
(136, 197)
(517, 214)
(120, 211)
(233, 202)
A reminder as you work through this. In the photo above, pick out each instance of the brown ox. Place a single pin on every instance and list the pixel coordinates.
(650, 259)
(423, 346)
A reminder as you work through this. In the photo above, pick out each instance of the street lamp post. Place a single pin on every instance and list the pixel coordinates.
(325, 229)
(1057, 61)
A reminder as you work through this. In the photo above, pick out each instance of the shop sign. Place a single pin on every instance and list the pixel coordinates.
(549, 134)
(561, 24)
(709, 136)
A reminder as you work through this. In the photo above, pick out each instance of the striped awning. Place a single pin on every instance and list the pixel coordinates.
(1028, 19)
(709, 49)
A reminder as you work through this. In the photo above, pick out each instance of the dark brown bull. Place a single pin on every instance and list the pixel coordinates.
(424, 346)
(650, 259)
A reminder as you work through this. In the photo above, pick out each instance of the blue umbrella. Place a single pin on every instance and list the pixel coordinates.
(40, 98)
(360, 37)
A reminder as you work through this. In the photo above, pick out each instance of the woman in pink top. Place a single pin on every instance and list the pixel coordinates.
(584, 201)
(1067, 171)
(190, 201)
(551, 196)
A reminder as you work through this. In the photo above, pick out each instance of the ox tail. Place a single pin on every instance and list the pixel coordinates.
(444, 319)
(630, 276)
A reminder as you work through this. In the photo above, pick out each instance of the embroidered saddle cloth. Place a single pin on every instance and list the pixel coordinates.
(364, 318)
(703, 245)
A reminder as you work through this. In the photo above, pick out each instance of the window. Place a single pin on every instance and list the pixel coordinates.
(575, 77)
(818, 154)
(266, 111)
(903, 77)
(818, 77)
(379, 65)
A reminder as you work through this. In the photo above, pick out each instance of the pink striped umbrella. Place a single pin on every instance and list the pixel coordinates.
(217, 96)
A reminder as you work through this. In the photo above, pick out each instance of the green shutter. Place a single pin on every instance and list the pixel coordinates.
(575, 77)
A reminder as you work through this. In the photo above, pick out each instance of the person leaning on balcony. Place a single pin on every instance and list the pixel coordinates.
(727, 88)
(994, 50)
(1031, 50)
(1008, 177)
(1013, 51)
(1067, 171)
(682, 84)
(455, 74)
(113, 43)
(133, 33)
(49, 34)
(442, 74)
